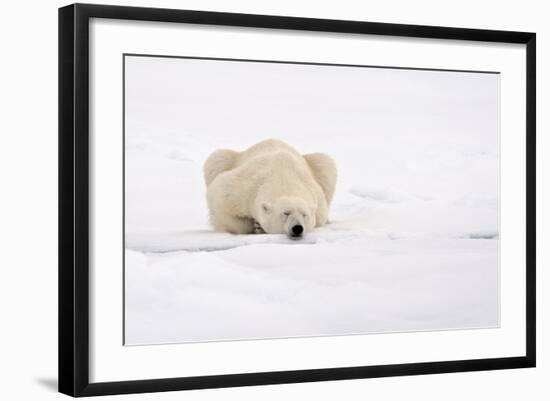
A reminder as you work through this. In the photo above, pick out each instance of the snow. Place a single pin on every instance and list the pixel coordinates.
(412, 242)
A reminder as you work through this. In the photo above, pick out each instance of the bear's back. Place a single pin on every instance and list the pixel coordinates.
(269, 157)
(266, 147)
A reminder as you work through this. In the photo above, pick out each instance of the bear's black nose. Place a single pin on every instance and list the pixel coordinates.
(297, 229)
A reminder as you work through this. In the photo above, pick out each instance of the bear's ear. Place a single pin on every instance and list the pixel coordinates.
(266, 207)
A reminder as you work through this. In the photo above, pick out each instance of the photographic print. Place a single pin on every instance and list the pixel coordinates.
(262, 199)
(271, 199)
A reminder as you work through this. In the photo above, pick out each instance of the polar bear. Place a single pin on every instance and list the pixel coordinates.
(269, 188)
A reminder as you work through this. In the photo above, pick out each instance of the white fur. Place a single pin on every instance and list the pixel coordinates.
(269, 184)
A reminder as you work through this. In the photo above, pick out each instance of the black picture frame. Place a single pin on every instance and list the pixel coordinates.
(74, 191)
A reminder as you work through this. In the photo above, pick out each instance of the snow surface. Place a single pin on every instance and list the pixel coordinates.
(412, 242)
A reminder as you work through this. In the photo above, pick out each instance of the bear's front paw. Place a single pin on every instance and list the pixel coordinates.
(258, 228)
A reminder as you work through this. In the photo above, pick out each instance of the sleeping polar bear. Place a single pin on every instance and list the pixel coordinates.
(270, 188)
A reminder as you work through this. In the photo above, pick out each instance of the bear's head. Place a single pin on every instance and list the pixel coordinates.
(288, 215)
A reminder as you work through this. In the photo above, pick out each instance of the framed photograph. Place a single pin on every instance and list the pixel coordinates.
(251, 199)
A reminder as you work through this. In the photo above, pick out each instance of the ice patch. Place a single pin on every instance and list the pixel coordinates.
(336, 232)
(210, 241)
(481, 235)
